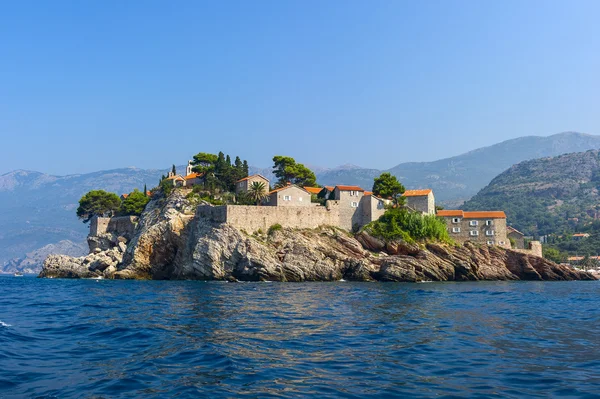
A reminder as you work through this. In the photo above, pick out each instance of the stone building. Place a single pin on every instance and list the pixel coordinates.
(289, 196)
(486, 227)
(243, 185)
(516, 236)
(420, 200)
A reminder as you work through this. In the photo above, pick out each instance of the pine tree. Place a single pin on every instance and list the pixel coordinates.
(246, 169)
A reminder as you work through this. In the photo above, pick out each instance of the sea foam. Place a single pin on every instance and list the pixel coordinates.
(3, 324)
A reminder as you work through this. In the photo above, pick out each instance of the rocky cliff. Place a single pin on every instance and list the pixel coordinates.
(170, 243)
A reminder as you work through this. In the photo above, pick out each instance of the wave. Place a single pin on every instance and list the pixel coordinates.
(3, 324)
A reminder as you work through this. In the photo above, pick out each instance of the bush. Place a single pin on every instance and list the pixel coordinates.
(134, 204)
(399, 223)
(274, 228)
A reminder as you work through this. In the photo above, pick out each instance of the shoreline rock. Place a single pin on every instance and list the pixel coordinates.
(170, 243)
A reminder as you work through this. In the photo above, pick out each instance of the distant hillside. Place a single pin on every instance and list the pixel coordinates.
(540, 196)
(38, 209)
(458, 178)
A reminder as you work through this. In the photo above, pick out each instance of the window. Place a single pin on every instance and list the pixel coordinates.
(300, 199)
(456, 229)
(473, 223)
(474, 233)
(489, 222)
(502, 243)
(489, 233)
(287, 197)
(490, 242)
(354, 204)
(456, 220)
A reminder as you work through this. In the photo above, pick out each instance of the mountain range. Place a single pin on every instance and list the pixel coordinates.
(37, 209)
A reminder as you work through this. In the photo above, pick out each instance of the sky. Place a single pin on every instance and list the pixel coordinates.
(94, 85)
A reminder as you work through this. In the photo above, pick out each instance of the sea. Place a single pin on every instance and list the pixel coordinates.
(194, 339)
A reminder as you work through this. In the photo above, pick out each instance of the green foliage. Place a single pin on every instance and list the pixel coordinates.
(388, 186)
(399, 223)
(134, 204)
(287, 170)
(257, 192)
(166, 186)
(219, 174)
(554, 254)
(274, 228)
(97, 203)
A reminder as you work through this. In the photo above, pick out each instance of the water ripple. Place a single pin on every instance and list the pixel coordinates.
(123, 339)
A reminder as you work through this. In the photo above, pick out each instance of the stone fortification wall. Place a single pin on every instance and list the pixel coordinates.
(535, 248)
(121, 225)
(253, 218)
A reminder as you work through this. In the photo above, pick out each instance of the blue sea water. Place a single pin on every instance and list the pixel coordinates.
(189, 339)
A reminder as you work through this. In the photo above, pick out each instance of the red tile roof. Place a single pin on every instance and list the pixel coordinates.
(472, 215)
(450, 213)
(349, 188)
(417, 193)
(368, 192)
(193, 175)
(313, 190)
(330, 188)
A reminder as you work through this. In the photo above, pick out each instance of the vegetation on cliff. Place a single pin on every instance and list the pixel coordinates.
(98, 203)
(287, 170)
(400, 223)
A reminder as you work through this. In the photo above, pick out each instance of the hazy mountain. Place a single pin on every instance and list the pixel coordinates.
(32, 261)
(38, 209)
(546, 195)
(458, 178)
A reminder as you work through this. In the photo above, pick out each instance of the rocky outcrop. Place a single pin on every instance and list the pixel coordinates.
(170, 243)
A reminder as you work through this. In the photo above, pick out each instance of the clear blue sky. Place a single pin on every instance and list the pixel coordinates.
(90, 85)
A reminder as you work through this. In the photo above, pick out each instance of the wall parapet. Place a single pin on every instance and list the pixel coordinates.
(119, 225)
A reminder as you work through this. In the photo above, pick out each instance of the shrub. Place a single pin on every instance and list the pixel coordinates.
(399, 223)
(274, 228)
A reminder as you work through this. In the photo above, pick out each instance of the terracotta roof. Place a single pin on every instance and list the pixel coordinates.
(581, 235)
(330, 188)
(313, 190)
(248, 177)
(172, 177)
(193, 176)
(349, 188)
(485, 214)
(416, 193)
(571, 258)
(286, 187)
(368, 192)
(124, 195)
(472, 215)
(450, 213)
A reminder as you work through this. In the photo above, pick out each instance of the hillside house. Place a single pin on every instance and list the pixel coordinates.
(517, 237)
(580, 236)
(485, 227)
(243, 185)
(288, 196)
(420, 200)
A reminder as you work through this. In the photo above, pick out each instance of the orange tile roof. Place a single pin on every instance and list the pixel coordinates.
(330, 188)
(193, 175)
(349, 188)
(172, 177)
(485, 214)
(313, 190)
(248, 177)
(472, 215)
(368, 192)
(450, 213)
(416, 193)
(124, 195)
(581, 235)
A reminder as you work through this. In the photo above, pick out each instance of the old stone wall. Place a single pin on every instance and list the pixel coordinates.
(498, 227)
(253, 218)
(120, 225)
(535, 248)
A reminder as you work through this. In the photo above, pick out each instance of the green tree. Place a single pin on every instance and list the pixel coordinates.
(388, 186)
(134, 204)
(204, 162)
(287, 170)
(257, 192)
(173, 170)
(97, 203)
(553, 254)
(145, 190)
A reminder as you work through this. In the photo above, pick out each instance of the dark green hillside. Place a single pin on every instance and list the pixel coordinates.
(545, 196)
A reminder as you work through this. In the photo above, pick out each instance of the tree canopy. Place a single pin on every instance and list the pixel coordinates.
(134, 204)
(287, 170)
(388, 186)
(97, 203)
(220, 173)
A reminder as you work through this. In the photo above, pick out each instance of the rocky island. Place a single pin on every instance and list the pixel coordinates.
(174, 239)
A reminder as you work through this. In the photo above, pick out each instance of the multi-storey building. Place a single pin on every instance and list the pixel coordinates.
(484, 227)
